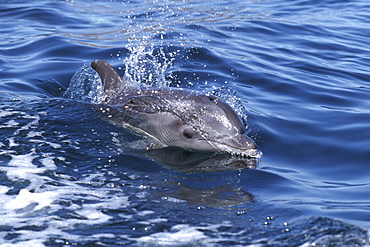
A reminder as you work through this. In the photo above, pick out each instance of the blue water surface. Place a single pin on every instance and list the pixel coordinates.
(299, 68)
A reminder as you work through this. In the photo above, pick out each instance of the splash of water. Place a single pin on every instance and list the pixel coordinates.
(147, 67)
(85, 86)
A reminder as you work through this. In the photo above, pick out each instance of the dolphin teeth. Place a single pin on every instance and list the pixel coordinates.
(251, 153)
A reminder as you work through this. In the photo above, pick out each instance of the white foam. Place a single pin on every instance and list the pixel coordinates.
(173, 199)
(9, 124)
(12, 142)
(30, 243)
(3, 189)
(6, 113)
(33, 134)
(152, 221)
(39, 201)
(21, 167)
(95, 215)
(145, 212)
(179, 235)
(28, 125)
(48, 163)
(25, 198)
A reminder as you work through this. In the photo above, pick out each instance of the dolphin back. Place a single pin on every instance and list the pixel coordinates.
(110, 79)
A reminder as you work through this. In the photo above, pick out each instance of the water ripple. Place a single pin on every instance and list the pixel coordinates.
(299, 68)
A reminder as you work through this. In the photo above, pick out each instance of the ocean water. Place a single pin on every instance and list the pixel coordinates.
(296, 70)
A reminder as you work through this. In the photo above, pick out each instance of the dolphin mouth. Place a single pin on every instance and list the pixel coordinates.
(247, 152)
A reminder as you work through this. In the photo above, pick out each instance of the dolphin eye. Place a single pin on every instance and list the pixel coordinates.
(212, 98)
(187, 134)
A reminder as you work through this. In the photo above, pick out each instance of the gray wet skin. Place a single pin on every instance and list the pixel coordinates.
(174, 117)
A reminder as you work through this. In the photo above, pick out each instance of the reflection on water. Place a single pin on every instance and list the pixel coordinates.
(217, 194)
(222, 196)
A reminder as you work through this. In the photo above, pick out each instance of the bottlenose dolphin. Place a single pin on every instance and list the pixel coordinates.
(173, 117)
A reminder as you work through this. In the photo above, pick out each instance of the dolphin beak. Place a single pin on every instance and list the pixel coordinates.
(243, 142)
(239, 145)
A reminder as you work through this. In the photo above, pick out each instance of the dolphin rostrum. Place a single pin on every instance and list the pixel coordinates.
(174, 117)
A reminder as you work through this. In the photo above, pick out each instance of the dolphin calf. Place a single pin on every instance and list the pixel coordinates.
(174, 117)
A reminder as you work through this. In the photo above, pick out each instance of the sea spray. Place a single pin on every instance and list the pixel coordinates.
(85, 86)
(147, 67)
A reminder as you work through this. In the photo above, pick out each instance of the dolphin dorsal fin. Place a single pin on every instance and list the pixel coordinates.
(110, 79)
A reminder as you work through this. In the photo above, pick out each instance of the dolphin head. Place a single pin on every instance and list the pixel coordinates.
(176, 117)
(206, 123)
(189, 120)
